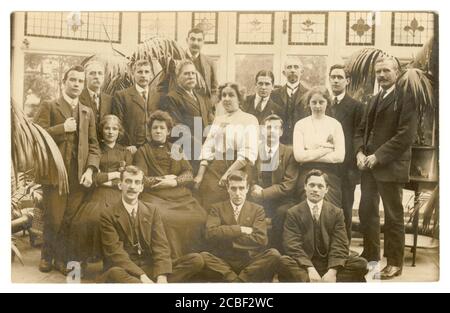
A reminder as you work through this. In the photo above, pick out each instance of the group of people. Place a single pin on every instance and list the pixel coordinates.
(265, 187)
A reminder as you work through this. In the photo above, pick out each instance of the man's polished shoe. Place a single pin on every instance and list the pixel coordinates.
(45, 266)
(60, 267)
(390, 272)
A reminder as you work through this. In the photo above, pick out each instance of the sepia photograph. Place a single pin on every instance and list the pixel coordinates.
(224, 147)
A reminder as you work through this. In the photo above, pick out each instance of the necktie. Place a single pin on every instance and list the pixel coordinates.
(259, 105)
(236, 213)
(96, 100)
(291, 90)
(315, 210)
(333, 107)
(144, 96)
(133, 217)
(383, 93)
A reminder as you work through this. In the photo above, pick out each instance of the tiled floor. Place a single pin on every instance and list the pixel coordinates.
(426, 270)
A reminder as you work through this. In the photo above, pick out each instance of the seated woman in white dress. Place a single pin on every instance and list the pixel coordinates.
(319, 143)
(232, 144)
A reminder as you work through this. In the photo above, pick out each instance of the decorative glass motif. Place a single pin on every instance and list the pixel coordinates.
(161, 24)
(90, 26)
(411, 29)
(360, 29)
(255, 28)
(208, 22)
(308, 28)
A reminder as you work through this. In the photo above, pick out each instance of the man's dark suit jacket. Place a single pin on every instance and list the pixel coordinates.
(284, 177)
(52, 115)
(134, 113)
(183, 108)
(270, 108)
(349, 113)
(299, 234)
(394, 130)
(105, 104)
(224, 232)
(118, 245)
(300, 109)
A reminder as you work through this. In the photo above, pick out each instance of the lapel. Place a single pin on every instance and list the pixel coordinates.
(85, 98)
(83, 117)
(325, 217)
(245, 215)
(386, 102)
(228, 214)
(206, 69)
(278, 157)
(307, 221)
(64, 108)
(203, 108)
(187, 98)
(123, 220)
(370, 108)
(103, 105)
(144, 223)
(137, 98)
(342, 109)
(284, 95)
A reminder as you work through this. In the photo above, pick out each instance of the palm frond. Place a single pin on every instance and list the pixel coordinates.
(417, 84)
(34, 150)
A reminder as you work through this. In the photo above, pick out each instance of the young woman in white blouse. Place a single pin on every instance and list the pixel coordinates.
(319, 143)
(232, 144)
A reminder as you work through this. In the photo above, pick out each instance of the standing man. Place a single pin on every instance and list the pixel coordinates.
(133, 107)
(315, 240)
(276, 173)
(92, 95)
(134, 241)
(260, 104)
(383, 152)
(348, 112)
(237, 232)
(72, 126)
(291, 98)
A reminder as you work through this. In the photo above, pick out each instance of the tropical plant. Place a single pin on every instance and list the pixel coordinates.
(163, 55)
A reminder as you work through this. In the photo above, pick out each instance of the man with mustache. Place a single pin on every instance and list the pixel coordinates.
(348, 112)
(382, 146)
(71, 124)
(315, 240)
(237, 232)
(186, 106)
(291, 98)
(92, 95)
(134, 242)
(133, 107)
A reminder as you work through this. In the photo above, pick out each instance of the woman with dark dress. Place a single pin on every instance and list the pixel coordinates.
(167, 179)
(84, 231)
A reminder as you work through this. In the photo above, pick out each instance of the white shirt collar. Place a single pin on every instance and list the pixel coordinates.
(69, 100)
(339, 97)
(140, 90)
(191, 56)
(293, 86)
(91, 93)
(130, 207)
(311, 205)
(272, 148)
(263, 104)
(238, 208)
(389, 91)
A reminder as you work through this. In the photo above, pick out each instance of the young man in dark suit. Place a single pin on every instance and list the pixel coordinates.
(134, 241)
(71, 124)
(348, 112)
(276, 174)
(133, 107)
(291, 97)
(260, 104)
(92, 95)
(315, 240)
(383, 152)
(237, 232)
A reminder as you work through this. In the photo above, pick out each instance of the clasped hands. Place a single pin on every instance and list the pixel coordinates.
(329, 277)
(366, 162)
(167, 181)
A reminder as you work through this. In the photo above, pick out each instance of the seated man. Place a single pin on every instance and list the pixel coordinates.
(315, 240)
(135, 246)
(276, 174)
(238, 234)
